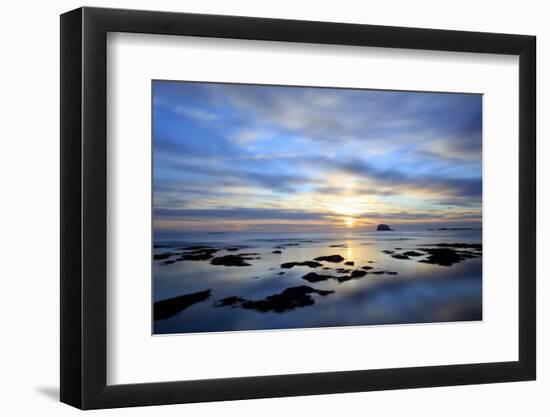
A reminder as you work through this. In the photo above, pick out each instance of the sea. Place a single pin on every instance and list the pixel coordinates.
(396, 289)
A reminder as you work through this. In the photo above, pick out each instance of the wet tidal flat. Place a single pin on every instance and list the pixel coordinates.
(231, 281)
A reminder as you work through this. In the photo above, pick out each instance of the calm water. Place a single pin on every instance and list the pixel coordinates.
(419, 293)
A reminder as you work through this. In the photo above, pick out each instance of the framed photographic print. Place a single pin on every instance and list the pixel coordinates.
(259, 207)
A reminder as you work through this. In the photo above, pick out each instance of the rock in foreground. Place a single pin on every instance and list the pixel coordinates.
(311, 264)
(167, 308)
(315, 277)
(289, 299)
(231, 260)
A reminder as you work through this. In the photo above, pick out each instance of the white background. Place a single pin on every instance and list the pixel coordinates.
(30, 120)
(133, 60)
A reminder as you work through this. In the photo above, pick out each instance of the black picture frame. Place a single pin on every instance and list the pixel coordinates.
(84, 207)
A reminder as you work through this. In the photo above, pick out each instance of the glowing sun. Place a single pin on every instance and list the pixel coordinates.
(349, 223)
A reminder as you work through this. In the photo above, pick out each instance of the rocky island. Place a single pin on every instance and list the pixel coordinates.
(384, 228)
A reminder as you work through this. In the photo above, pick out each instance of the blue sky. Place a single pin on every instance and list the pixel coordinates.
(234, 157)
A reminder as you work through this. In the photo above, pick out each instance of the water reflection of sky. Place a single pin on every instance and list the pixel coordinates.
(420, 292)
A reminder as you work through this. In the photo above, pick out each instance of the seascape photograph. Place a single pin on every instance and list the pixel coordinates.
(295, 207)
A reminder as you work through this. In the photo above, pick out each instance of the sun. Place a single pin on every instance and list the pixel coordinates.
(349, 223)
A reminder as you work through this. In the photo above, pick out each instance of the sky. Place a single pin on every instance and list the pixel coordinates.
(238, 157)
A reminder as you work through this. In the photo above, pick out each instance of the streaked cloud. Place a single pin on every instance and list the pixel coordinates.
(247, 157)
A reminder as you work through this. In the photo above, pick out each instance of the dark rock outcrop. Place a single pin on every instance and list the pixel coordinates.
(315, 277)
(330, 258)
(412, 253)
(383, 228)
(446, 256)
(198, 255)
(167, 308)
(231, 260)
(196, 247)
(229, 301)
(358, 274)
(311, 264)
(477, 246)
(354, 275)
(161, 256)
(290, 299)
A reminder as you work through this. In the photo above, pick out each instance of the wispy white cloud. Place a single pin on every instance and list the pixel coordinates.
(333, 151)
(197, 114)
